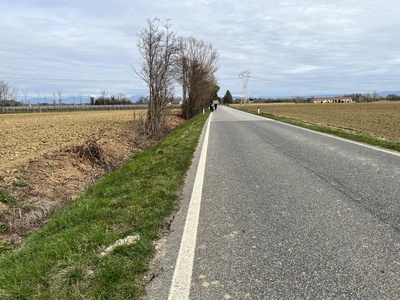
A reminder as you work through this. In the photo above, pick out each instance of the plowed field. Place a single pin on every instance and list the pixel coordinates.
(380, 119)
(26, 136)
(49, 159)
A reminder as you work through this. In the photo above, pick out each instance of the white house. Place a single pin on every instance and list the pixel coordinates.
(333, 100)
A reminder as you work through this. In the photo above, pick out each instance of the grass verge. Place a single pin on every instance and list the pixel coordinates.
(358, 137)
(70, 257)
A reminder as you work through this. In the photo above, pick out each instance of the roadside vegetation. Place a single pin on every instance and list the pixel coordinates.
(99, 246)
(166, 60)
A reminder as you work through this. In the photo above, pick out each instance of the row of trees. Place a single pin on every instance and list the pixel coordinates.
(168, 60)
(370, 97)
(105, 99)
(9, 94)
(355, 97)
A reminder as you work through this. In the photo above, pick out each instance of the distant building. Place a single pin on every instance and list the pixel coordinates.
(333, 100)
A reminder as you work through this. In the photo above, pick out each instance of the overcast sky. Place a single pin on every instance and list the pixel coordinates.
(290, 47)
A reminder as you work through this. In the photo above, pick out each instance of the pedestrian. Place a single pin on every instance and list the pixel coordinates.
(215, 106)
(211, 106)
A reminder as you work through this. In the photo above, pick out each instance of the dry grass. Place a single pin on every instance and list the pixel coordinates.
(49, 159)
(380, 119)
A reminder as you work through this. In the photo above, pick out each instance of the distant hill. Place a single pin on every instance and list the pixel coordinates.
(384, 94)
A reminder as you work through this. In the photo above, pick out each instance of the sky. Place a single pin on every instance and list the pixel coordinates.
(289, 47)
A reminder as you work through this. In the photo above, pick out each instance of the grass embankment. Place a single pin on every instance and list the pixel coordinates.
(358, 137)
(68, 259)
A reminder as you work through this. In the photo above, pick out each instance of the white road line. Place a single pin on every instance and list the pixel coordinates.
(180, 287)
(376, 148)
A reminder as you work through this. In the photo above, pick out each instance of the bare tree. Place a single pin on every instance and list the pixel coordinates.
(54, 99)
(195, 68)
(102, 98)
(38, 97)
(120, 97)
(59, 93)
(376, 96)
(25, 95)
(45, 98)
(157, 46)
(103, 94)
(7, 91)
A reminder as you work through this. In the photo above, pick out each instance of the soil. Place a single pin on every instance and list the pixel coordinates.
(379, 119)
(48, 160)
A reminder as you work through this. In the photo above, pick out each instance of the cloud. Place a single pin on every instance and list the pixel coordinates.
(301, 68)
(345, 45)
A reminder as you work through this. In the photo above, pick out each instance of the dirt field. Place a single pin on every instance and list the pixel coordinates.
(26, 136)
(379, 119)
(49, 159)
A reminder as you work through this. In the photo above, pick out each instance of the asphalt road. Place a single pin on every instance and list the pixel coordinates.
(285, 213)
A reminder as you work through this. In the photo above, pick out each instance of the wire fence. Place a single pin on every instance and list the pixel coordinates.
(61, 108)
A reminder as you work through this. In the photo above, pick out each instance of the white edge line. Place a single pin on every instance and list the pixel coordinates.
(329, 135)
(180, 287)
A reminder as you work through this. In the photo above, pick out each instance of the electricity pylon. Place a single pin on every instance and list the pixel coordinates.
(245, 75)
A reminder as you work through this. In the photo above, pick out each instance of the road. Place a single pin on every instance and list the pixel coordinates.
(282, 213)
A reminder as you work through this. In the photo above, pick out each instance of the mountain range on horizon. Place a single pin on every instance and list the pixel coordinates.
(135, 98)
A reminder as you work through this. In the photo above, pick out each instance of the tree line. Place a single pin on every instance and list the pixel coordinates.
(115, 99)
(356, 97)
(168, 60)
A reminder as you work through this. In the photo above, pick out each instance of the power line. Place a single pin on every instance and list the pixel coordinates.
(70, 80)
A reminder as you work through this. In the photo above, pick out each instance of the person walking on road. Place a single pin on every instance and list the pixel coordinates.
(211, 107)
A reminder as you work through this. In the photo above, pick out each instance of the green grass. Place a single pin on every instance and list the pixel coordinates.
(19, 183)
(62, 260)
(358, 137)
(4, 247)
(5, 198)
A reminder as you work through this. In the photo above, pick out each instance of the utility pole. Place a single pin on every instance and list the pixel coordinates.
(245, 75)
